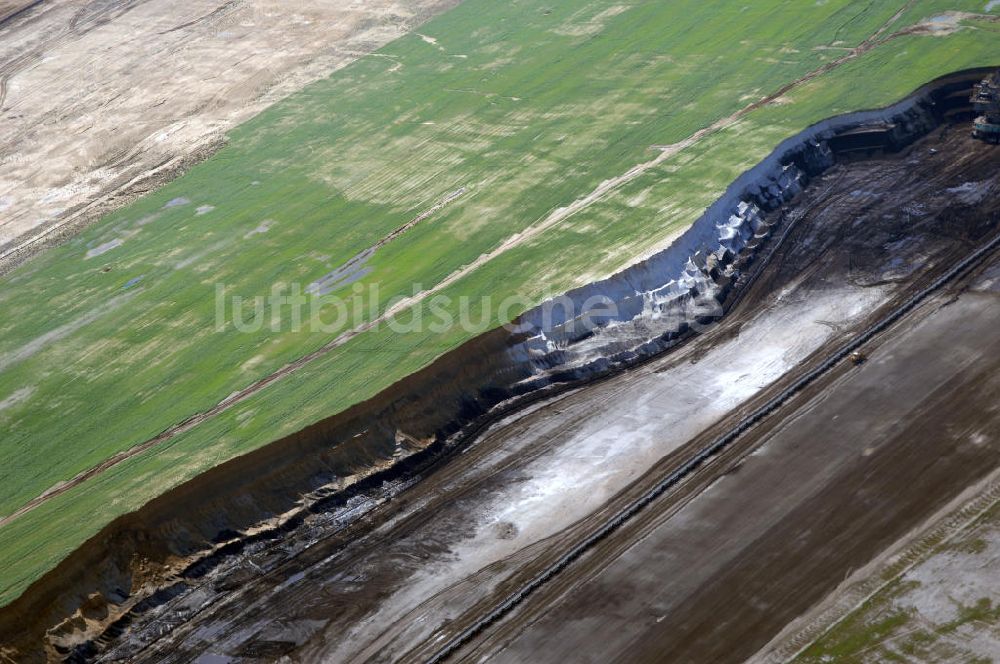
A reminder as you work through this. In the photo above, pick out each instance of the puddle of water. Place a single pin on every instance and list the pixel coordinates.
(344, 275)
(132, 282)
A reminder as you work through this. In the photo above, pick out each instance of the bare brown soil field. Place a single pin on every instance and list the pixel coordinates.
(102, 101)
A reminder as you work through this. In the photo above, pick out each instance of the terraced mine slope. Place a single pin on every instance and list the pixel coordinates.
(507, 149)
(714, 565)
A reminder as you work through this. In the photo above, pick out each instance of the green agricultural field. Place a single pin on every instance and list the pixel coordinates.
(525, 106)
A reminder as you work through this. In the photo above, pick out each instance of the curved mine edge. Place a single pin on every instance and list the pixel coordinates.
(145, 558)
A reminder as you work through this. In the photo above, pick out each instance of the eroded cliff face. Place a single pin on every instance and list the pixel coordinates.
(860, 242)
(644, 309)
(362, 456)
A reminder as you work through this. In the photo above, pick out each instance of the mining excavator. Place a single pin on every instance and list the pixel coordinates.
(986, 103)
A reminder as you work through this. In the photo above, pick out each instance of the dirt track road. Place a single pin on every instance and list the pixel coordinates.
(102, 100)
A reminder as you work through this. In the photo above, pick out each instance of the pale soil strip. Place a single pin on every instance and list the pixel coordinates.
(560, 214)
(38, 343)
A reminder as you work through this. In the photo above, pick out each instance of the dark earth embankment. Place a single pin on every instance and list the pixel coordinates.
(147, 558)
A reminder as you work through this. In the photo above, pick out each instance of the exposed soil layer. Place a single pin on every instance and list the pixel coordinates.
(104, 100)
(431, 558)
(249, 568)
(714, 569)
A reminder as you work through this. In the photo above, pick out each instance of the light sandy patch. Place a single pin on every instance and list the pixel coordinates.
(638, 199)
(410, 171)
(245, 417)
(148, 219)
(946, 23)
(252, 363)
(38, 343)
(18, 396)
(198, 256)
(104, 248)
(261, 228)
(581, 24)
(430, 40)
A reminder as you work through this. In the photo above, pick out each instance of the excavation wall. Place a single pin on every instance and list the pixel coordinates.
(143, 557)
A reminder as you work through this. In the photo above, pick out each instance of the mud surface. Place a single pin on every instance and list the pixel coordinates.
(104, 100)
(702, 575)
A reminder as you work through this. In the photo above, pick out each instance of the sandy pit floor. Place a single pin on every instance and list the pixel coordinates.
(102, 100)
(528, 479)
(440, 554)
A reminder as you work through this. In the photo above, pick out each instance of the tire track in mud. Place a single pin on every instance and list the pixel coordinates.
(552, 219)
(710, 451)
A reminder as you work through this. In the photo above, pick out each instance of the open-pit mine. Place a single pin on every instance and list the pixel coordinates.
(746, 410)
